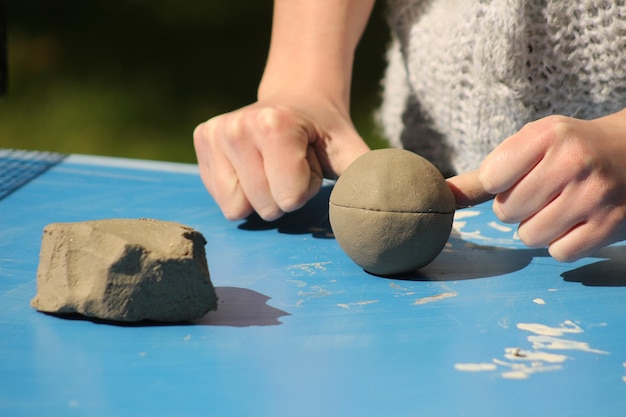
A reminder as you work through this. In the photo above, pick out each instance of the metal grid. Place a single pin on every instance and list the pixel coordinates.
(18, 167)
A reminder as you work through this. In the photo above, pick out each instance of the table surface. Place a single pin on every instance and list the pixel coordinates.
(490, 328)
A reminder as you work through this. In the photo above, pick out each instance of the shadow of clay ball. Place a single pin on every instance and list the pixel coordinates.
(391, 211)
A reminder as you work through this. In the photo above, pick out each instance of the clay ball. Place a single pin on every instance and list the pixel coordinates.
(391, 211)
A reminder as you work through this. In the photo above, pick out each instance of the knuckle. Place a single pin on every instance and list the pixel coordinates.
(562, 255)
(530, 239)
(198, 138)
(555, 125)
(296, 195)
(198, 132)
(201, 133)
(561, 126)
(207, 131)
(551, 130)
(234, 126)
(232, 214)
(485, 177)
(235, 211)
(270, 213)
(276, 124)
(211, 126)
(271, 119)
(292, 202)
(499, 209)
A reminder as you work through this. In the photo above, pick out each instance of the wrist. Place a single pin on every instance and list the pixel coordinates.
(304, 92)
(312, 49)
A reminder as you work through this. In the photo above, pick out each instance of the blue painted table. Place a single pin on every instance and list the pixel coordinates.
(489, 329)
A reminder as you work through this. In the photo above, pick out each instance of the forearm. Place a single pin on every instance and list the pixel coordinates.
(312, 48)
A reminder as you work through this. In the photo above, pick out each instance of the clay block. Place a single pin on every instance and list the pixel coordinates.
(124, 270)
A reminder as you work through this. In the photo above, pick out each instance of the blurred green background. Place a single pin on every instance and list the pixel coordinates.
(133, 78)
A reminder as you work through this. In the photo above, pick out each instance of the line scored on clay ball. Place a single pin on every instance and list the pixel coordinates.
(393, 211)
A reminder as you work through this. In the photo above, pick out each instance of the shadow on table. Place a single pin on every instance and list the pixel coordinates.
(241, 307)
(311, 218)
(609, 272)
(462, 260)
(459, 261)
(237, 307)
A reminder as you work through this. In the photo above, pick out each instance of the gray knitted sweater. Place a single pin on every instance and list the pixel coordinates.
(463, 75)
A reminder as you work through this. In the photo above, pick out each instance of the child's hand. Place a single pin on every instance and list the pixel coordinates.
(564, 181)
(270, 157)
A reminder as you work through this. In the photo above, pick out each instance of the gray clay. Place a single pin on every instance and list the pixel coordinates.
(391, 211)
(124, 270)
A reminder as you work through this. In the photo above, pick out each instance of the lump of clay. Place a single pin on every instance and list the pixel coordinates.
(124, 270)
(391, 211)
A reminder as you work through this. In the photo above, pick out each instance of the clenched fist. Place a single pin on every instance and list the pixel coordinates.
(271, 157)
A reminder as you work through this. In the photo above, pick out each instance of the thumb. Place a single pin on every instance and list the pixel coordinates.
(468, 190)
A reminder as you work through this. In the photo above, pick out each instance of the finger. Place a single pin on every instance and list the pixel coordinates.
(580, 241)
(571, 228)
(316, 172)
(531, 193)
(468, 190)
(293, 171)
(554, 220)
(225, 188)
(304, 178)
(512, 159)
(599, 228)
(218, 175)
(247, 162)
